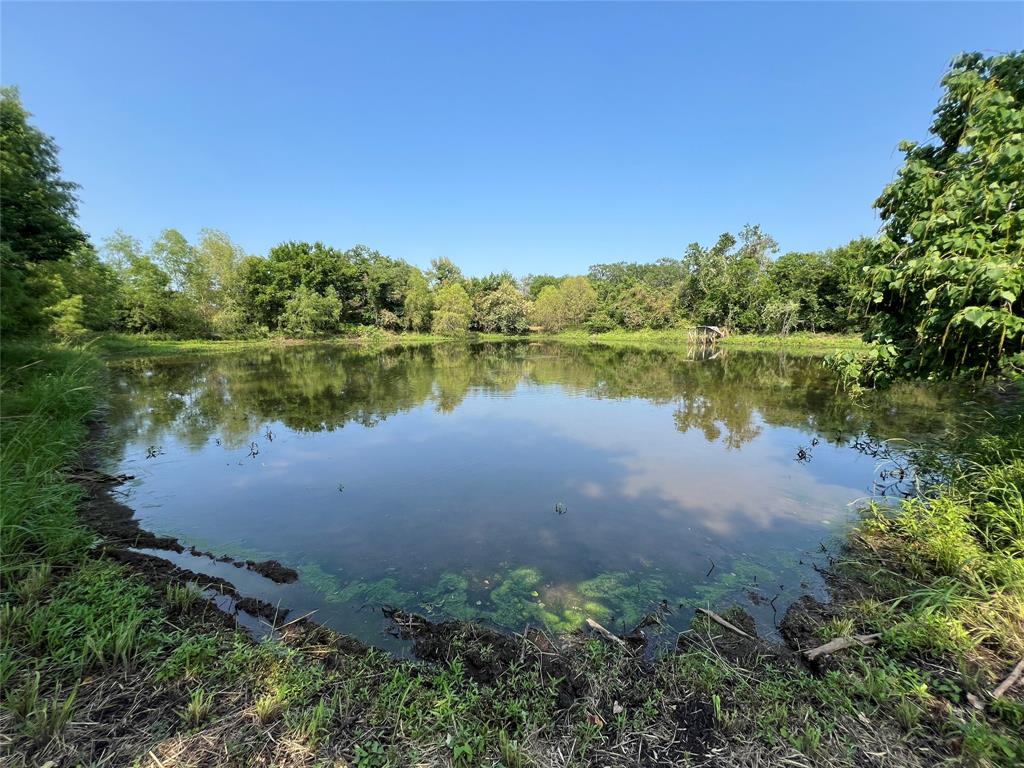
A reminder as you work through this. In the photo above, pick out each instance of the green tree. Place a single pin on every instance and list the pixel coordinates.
(443, 272)
(502, 310)
(947, 279)
(568, 305)
(825, 285)
(642, 307)
(81, 274)
(147, 303)
(308, 314)
(37, 209)
(419, 304)
(453, 310)
(534, 284)
(728, 284)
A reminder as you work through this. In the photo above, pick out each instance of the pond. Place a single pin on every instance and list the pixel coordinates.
(511, 483)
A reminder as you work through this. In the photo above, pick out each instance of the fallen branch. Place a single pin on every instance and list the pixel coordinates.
(719, 620)
(1010, 681)
(839, 644)
(605, 633)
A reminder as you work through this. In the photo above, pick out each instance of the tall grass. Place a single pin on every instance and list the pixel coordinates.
(960, 548)
(46, 397)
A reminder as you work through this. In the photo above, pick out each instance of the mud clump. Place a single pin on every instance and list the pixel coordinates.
(799, 627)
(749, 650)
(273, 570)
(487, 653)
(261, 609)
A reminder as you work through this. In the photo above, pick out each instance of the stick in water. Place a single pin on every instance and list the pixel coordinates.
(719, 620)
(605, 633)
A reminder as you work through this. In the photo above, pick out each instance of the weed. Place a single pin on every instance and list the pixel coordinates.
(371, 755)
(181, 597)
(268, 707)
(48, 719)
(198, 708)
(23, 700)
(33, 583)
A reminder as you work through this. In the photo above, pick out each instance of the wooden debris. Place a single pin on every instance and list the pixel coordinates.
(839, 644)
(1010, 681)
(605, 633)
(719, 620)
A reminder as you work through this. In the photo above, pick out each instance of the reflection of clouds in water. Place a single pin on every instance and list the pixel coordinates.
(734, 492)
(706, 483)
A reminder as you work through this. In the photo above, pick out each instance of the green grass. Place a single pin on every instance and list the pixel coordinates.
(48, 395)
(121, 345)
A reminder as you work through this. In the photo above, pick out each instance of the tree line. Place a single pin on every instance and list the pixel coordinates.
(941, 286)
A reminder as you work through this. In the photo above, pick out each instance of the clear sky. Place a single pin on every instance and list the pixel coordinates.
(534, 137)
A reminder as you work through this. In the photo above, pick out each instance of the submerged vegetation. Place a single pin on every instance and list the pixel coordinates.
(103, 660)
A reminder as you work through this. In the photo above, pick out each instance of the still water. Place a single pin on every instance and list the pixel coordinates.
(510, 483)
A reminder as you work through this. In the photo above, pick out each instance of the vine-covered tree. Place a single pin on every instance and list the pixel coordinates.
(947, 279)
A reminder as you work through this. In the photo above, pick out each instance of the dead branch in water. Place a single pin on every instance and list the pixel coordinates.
(839, 644)
(1010, 681)
(605, 633)
(719, 620)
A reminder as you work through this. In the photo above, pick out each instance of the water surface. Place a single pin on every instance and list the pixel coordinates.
(510, 483)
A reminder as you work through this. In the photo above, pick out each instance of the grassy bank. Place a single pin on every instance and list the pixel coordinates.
(120, 345)
(101, 661)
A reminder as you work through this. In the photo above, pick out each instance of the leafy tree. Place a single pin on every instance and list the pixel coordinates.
(534, 284)
(147, 302)
(443, 272)
(81, 274)
(728, 284)
(947, 280)
(177, 258)
(453, 310)
(419, 304)
(642, 307)
(308, 314)
(37, 208)
(569, 305)
(503, 310)
(825, 285)
(67, 318)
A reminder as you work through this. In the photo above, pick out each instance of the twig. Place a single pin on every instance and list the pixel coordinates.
(839, 644)
(719, 620)
(605, 633)
(293, 621)
(1010, 681)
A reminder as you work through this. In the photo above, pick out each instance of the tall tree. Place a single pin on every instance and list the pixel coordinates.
(443, 272)
(37, 208)
(419, 304)
(453, 310)
(947, 280)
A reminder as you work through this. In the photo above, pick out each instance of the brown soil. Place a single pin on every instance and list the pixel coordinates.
(274, 571)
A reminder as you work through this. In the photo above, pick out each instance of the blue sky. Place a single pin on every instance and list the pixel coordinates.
(534, 137)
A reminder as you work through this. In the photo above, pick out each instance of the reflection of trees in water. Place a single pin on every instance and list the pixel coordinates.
(315, 389)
